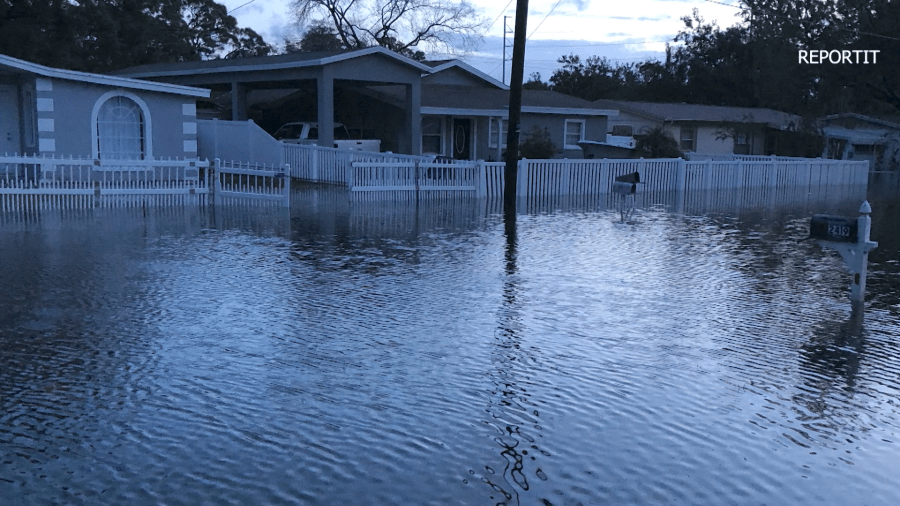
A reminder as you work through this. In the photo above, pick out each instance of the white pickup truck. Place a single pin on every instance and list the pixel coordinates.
(303, 132)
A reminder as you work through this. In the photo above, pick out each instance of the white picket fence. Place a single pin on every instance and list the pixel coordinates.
(332, 165)
(725, 157)
(237, 180)
(39, 182)
(538, 178)
(31, 182)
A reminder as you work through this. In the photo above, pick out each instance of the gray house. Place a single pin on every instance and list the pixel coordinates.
(55, 112)
(708, 129)
(852, 136)
(465, 115)
(324, 87)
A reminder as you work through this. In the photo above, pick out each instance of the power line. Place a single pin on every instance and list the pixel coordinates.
(545, 18)
(242, 5)
(495, 19)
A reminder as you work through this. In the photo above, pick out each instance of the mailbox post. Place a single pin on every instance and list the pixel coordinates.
(850, 238)
(626, 186)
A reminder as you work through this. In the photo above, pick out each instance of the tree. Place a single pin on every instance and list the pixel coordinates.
(399, 25)
(211, 31)
(104, 35)
(534, 83)
(319, 37)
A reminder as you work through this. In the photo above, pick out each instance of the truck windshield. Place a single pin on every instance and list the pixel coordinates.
(289, 132)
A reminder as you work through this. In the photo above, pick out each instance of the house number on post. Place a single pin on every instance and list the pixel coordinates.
(850, 238)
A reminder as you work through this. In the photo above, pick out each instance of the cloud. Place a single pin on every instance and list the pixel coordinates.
(581, 5)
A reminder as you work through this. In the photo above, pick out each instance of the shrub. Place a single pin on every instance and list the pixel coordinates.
(537, 145)
(657, 143)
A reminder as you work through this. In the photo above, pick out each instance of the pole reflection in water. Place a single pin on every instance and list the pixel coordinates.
(513, 411)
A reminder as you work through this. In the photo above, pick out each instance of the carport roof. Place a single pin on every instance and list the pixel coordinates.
(257, 63)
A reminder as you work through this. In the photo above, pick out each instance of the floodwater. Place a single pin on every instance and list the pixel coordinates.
(382, 354)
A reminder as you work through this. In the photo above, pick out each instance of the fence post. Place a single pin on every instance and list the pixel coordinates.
(773, 181)
(681, 175)
(566, 177)
(707, 175)
(286, 184)
(314, 164)
(349, 176)
(216, 185)
(522, 178)
(480, 179)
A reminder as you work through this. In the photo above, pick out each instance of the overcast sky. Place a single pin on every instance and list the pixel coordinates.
(632, 30)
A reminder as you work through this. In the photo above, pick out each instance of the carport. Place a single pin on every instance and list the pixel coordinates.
(373, 66)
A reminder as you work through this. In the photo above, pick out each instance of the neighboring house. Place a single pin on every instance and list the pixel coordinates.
(852, 136)
(465, 115)
(55, 112)
(709, 129)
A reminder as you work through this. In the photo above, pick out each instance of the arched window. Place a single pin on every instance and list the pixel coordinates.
(121, 133)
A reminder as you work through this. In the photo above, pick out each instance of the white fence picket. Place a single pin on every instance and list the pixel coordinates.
(40, 181)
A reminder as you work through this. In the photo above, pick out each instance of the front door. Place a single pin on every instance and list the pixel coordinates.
(9, 120)
(462, 139)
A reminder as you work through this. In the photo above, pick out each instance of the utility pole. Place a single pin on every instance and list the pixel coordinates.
(515, 108)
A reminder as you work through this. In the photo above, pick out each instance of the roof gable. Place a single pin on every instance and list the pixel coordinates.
(258, 63)
(120, 82)
(455, 72)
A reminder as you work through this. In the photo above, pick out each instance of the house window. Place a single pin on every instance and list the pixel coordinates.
(574, 133)
(742, 144)
(499, 129)
(432, 130)
(120, 130)
(623, 131)
(688, 139)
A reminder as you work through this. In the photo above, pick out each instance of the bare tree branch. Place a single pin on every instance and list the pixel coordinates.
(400, 25)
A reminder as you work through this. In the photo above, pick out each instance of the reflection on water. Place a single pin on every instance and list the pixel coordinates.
(430, 352)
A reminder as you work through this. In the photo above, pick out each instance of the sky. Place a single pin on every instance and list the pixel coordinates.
(622, 31)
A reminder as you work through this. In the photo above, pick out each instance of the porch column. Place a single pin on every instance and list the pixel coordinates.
(238, 101)
(325, 106)
(413, 111)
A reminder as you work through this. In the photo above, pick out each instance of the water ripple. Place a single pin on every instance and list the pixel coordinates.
(393, 354)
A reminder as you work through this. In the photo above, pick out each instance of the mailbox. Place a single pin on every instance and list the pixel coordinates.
(626, 184)
(834, 228)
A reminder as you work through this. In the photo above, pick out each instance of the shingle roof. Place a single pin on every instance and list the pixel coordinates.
(706, 113)
(122, 82)
(256, 62)
(887, 121)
